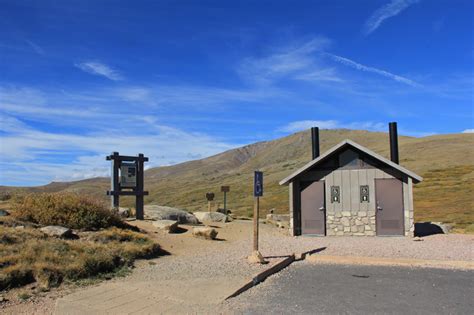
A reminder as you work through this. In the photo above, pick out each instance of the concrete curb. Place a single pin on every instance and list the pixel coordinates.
(263, 275)
(381, 261)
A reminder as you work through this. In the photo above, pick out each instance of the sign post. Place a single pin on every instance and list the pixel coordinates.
(128, 180)
(256, 256)
(210, 198)
(225, 190)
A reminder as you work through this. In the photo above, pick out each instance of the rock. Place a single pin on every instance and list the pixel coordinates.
(19, 227)
(362, 214)
(354, 228)
(256, 258)
(156, 212)
(346, 213)
(124, 212)
(57, 231)
(446, 228)
(278, 217)
(345, 221)
(212, 217)
(4, 213)
(168, 226)
(205, 232)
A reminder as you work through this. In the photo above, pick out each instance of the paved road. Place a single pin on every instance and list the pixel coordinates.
(306, 288)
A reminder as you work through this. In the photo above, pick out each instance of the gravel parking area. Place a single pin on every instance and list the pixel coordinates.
(435, 247)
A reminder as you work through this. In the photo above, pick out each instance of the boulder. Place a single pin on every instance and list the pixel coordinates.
(156, 212)
(124, 212)
(256, 258)
(212, 217)
(57, 231)
(207, 233)
(168, 226)
(4, 213)
(278, 217)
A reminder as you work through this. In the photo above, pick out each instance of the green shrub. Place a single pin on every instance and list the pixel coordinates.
(65, 209)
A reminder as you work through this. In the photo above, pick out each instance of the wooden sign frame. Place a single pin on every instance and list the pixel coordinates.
(137, 191)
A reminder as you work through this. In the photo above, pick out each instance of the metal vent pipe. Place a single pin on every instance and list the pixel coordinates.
(315, 142)
(392, 128)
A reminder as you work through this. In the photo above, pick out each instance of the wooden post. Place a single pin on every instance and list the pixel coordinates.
(139, 212)
(225, 202)
(256, 210)
(209, 206)
(115, 181)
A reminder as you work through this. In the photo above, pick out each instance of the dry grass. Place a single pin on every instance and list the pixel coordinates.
(27, 255)
(66, 209)
(446, 195)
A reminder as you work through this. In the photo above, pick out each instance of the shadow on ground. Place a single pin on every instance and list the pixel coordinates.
(427, 228)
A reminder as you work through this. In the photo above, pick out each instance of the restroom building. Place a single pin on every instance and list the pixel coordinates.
(351, 190)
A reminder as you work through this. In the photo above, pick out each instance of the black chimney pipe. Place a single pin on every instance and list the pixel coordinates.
(315, 142)
(392, 128)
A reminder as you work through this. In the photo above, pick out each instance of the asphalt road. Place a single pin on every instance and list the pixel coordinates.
(305, 288)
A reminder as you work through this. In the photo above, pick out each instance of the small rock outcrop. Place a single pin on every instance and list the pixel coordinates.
(212, 217)
(124, 212)
(57, 231)
(207, 233)
(168, 226)
(156, 212)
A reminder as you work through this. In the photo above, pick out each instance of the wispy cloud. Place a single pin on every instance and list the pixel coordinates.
(358, 66)
(331, 124)
(35, 47)
(298, 62)
(26, 148)
(328, 74)
(468, 131)
(388, 10)
(97, 68)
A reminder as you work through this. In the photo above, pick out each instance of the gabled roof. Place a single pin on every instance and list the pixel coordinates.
(349, 143)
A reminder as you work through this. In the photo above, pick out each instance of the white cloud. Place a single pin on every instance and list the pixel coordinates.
(97, 68)
(389, 10)
(79, 156)
(36, 48)
(468, 131)
(331, 124)
(292, 62)
(358, 66)
(322, 75)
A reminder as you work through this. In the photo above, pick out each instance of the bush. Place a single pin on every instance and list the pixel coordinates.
(28, 255)
(65, 209)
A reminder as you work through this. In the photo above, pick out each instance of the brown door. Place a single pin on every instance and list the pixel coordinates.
(313, 212)
(389, 207)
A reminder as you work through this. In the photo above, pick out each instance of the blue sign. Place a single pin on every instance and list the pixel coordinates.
(258, 184)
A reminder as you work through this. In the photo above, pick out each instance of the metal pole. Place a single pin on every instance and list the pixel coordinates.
(256, 210)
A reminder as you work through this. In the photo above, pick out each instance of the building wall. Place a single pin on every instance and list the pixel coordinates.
(350, 216)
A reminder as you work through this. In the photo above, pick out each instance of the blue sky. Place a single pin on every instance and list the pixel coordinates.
(180, 80)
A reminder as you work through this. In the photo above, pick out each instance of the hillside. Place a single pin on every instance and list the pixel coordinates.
(446, 162)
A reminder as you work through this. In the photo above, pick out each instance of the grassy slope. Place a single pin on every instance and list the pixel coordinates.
(445, 195)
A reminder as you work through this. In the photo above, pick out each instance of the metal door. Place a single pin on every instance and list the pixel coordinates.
(313, 209)
(389, 203)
